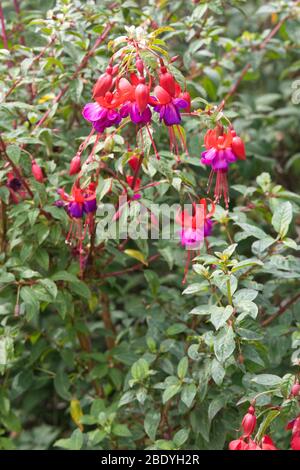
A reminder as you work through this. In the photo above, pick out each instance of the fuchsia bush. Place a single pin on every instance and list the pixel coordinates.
(149, 340)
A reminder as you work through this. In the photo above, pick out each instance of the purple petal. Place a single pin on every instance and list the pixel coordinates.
(125, 110)
(75, 210)
(208, 226)
(93, 111)
(229, 156)
(112, 115)
(90, 206)
(171, 115)
(208, 156)
(180, 103)
(219, 162)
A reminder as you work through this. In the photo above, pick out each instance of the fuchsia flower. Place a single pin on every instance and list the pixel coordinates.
(15, 187)
(80, 202)
(249, 422)
(136, 97)
(81, 206)
(222, 149)
(102, 113)
(245, 442)
(294, 425)
(194, 228)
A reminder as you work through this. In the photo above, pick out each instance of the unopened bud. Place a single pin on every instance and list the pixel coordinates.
(37, 172)
(75, 165)
(295, 390)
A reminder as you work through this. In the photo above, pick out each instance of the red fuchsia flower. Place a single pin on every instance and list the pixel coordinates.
(37, 172)
(222, 149)
(238, 444)
(249, 422)
(135, 95)
(294, 425)
(267, 443)
(15, 187)
(194, 228)
(169, 101)
(80, 204)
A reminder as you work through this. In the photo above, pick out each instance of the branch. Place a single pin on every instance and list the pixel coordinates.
(80, 67)
(281, 310)
(135, 267)
(106, 317)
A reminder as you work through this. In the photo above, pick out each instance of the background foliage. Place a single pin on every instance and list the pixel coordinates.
(132, 359)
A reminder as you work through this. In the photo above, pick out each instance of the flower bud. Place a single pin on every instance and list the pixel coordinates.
(295, 390)
(140, 66)
(103, 85)
(75, 165)
(238, 148)
(134, 162)
(37, 172)
(167, 81)
(249, 422)
(142, 97)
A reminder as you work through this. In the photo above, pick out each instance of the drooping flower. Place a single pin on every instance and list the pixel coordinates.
(195, 227)
(238, 444)
(249, 422)
(294, 425)
(267, 443)
(135, 96)
(81, 206)
(222, 149)
(15, 187)
(169, 101)
(103, 113)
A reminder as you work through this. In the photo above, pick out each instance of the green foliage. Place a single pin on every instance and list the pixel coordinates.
(126, 357)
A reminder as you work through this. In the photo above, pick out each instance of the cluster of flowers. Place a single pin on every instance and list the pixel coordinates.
(246, 442)
(117, 97)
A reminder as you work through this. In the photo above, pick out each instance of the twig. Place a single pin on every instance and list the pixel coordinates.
(106, 317)
(80, 67)
(281, 310)
(135, 267)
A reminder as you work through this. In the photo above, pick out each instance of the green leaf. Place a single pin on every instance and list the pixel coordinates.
(282, 218)
(266, 423)
(121, 430)
(267, 380)
(151, 423)
(137, 255)
(62, 384)
(224, 344)
(140, 370)
(182, 367)
(75, 442)
(170, 391)
(188, 394)
(181, 437)
(220, 315)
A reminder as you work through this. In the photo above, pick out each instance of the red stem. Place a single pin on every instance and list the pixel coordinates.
(2, 20)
